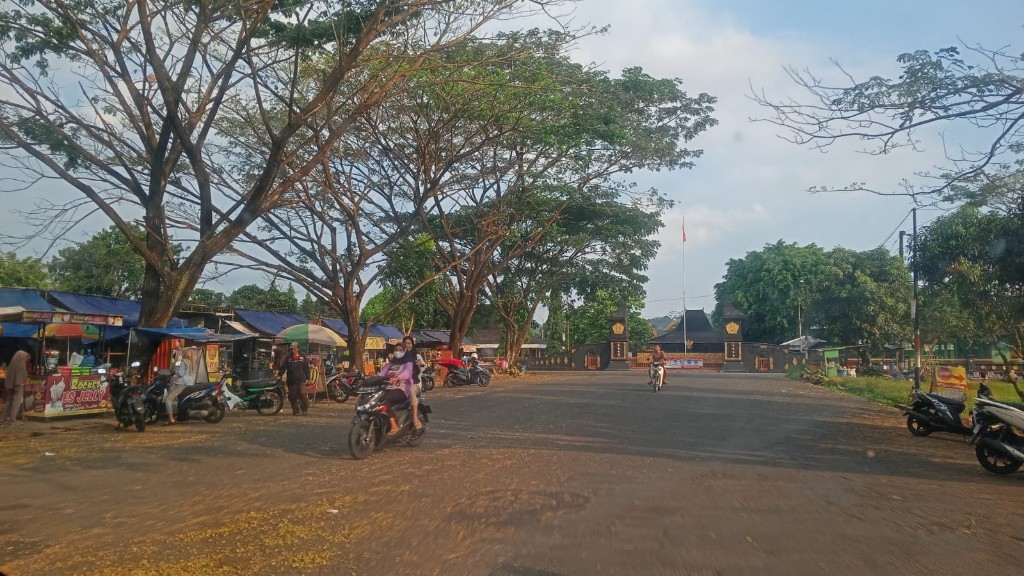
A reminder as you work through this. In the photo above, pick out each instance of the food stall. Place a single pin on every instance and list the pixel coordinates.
(60, 387)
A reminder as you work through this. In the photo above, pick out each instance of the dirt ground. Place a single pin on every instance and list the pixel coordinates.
(553, 474)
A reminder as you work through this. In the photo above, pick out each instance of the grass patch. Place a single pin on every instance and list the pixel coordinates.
(891, 392)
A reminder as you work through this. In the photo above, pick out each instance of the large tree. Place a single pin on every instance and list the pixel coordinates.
(773, 287)
(127, 103)
(971, 263)
(968, 90)
(584, 131)
(605, 238)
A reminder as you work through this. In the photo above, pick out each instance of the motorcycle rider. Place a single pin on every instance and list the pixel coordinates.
(417, 385)
(399, 373)
(179, 373)
(658, 356)
(295, 368)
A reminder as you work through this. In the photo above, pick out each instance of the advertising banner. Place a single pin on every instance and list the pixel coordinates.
(67, 395)
(950, 381)
(685, 363)
(33, 317)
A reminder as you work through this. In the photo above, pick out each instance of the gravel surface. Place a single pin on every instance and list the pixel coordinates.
(548, 475)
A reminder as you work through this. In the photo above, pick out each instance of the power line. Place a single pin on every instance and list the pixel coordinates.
(894, 230)
(677, 299)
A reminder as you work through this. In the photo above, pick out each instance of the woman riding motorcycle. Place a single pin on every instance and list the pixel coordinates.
(400, 387)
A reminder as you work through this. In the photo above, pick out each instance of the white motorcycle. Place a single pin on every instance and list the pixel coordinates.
(657, 374)
(999, 433)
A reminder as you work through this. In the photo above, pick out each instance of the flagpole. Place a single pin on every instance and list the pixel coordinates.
(684, 286)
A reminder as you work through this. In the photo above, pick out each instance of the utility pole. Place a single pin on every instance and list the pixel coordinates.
(916, 311)
(902, 235)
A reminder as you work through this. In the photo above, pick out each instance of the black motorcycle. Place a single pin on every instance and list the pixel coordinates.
(933, 413)
(466, 376)
(203, 400)
(126, 396)
(998, 433)
(342, 385)
(428, 378)
(370, 425)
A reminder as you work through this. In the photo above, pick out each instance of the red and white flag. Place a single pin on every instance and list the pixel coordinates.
(684, 229)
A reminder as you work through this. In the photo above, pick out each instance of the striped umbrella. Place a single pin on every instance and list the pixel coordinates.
(81, 331)
(310, 334)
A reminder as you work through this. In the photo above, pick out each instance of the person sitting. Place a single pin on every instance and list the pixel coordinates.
(658, 357)
(417, 384)
(399, 374)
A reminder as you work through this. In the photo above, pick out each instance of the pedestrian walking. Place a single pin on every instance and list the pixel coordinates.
(14, 383)
(296, 372)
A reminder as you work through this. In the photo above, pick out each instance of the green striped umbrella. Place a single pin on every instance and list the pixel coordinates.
(310, 334)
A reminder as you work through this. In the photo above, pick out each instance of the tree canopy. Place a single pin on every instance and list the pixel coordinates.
(25, 272)
(105, 264)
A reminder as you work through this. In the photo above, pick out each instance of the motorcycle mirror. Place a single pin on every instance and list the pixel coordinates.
(101, 371)
(136, 364)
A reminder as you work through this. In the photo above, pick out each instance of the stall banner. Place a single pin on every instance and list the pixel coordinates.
(67, 395)
(34, 317)
(375, 343)
(685, 363)
(213, 361)
(317, 377)
(950, 381)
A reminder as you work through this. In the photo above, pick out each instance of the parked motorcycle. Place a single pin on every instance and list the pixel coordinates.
(461, 375)
(657, 374)
(998, 433)
(933, 413)
(204, 400)
(265, 397)
(343, 385)
(427, 378)
(370, 425)
(126, 396)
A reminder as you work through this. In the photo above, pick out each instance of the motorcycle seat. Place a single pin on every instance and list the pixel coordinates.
(258, 385)
(402, 406)
(953, 404)
(195, 388)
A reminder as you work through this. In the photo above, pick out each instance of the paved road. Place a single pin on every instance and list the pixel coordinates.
(575, 474)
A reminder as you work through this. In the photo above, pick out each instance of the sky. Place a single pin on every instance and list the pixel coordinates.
(750, 187)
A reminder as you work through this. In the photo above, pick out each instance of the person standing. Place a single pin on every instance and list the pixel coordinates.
(15, 381)
(296, 372)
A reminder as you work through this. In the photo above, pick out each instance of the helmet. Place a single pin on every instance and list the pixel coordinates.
(474, 356)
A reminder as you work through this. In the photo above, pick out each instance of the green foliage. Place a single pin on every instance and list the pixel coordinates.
(208, 298)
(971, 263)
(104, 265)
(25, 272)
(312, 307)
(588, 323)
(270, 298)
(409, 263)
(848, 297)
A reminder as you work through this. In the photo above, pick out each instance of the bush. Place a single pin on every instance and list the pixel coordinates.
(872, 371)
(814, 376)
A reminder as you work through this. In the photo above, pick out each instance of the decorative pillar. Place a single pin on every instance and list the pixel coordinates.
(734, 320)
(618, 339)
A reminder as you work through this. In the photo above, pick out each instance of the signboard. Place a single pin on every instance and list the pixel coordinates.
(375, 343)
(67, 395)
(950, 381)
(685, 363)
(35, 317)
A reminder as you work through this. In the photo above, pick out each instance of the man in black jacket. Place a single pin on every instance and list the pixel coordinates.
(295, 368)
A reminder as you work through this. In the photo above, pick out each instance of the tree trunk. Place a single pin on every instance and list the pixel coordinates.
(462, 317)
(349, 308)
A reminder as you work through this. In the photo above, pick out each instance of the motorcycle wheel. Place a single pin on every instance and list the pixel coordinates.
(216, 414)
(152, 414)
(361, 440)
(428, 384)
(483, 380)
(450, 382)
(414, 441)
(334, 391)
(995, 462)
(270, 403)
(917, 426)
(140, 422)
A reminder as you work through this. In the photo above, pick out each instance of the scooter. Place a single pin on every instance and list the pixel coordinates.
(204, 400)
(427, 378)
(998, 433)
(266, 398)
(370, 424)
(657, 374)
(126, 396)
(933, 413)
